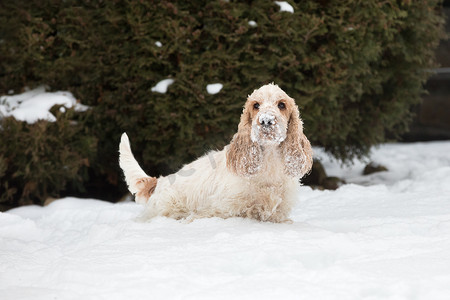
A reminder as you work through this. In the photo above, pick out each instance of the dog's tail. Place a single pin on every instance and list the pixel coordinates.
(131, 169)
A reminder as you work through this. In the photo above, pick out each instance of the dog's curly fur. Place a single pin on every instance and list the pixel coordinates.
(255, 176)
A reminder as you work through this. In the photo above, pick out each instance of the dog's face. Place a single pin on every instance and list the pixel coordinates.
(269, 109)
(270, 118)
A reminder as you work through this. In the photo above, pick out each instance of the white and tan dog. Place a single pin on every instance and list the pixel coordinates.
(255, 176)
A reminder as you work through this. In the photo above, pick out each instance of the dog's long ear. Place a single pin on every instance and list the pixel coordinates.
(296, 148)
(243, 155)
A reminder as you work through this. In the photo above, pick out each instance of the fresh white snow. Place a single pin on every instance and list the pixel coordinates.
(162, 86)
(252, 23)
(383, 236)
(214, 88)
(34, 105)
(285, 6)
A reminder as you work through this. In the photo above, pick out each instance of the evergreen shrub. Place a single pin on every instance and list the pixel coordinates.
(40, 160)
(354, 67)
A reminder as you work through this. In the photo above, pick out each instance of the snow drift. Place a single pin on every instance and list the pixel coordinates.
(383, 236)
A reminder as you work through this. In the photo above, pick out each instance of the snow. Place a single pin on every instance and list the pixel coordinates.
(265, 118)
(34, 105)
(252, 23)
(162, 86)
(158, 44)
(214, 88)
(285, 6)
(382, 236)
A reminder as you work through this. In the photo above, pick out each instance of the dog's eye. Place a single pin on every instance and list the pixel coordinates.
(256, 106)
(281, 105)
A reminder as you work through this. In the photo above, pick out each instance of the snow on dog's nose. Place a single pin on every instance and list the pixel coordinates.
(266, 119)
(267, 129)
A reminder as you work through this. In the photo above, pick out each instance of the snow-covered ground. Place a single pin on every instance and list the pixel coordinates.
(384, 236)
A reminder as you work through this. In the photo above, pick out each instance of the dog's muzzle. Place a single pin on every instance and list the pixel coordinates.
(267, 130)
(267, 120)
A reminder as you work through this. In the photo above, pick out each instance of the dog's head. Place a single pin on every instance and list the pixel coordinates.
(268, 111)
(270, 118)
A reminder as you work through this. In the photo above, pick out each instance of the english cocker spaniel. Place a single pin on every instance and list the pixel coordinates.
(255, 176)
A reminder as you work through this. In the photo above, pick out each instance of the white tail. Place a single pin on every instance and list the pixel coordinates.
(131, 169)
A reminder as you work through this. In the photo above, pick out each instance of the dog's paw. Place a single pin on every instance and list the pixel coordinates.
(287, 221)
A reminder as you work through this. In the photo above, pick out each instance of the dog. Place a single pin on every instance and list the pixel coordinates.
(255, 176)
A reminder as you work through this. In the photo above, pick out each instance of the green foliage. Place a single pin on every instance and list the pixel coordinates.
(42, 159)
(354, 67)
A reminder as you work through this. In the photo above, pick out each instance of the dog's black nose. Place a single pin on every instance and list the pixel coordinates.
(267, 120)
